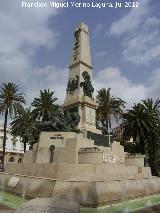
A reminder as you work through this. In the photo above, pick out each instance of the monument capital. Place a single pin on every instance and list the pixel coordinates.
(83, 27)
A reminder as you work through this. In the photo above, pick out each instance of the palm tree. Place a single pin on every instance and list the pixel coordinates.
(141, 122)
(153, 145)
(10, 101)
(44, 105)
(22, 125)
(108, 106)
(150, 105)
(137, 124)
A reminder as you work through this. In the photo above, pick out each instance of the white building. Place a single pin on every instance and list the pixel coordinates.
(14, 147)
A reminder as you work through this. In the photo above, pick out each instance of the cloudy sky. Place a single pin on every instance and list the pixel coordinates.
(36, 43)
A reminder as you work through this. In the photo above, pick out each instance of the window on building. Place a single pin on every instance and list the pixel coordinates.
(22, 146)
(14, 145)
(20, 160)
(11, 159)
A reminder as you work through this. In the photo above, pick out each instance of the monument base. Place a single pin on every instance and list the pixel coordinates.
(89, 193)
(78, 168)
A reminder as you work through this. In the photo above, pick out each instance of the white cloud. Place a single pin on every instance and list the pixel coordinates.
(48, 77)
(121, 86)
(154, 84)
(28, 26)
(130, 22)
(23, 30)
(141, 34)
(143, 47)
(113, 78)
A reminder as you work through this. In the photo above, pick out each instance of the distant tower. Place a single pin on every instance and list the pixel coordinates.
(79, 93)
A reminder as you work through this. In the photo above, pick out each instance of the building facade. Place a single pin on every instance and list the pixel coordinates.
(14, 147)
(118, 133)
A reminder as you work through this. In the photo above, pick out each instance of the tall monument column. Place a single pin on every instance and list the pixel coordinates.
(80, 91)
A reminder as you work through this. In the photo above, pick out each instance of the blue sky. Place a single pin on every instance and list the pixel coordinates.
(36, 43)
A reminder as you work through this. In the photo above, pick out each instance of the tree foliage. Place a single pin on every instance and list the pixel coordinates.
(142, 123)
(129, 147)
(62, 121)
(44, 105)
(108, 106)
(24, 125)
(10, 101)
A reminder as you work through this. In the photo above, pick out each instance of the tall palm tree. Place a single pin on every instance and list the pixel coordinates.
(10, 101)
(153, 145)
(44, 105)
(108, 106)
(137, 124)
(22, 125)
(141, 123)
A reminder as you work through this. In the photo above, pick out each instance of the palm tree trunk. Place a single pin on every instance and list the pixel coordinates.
(139, 143)
(152, 155)
(107, 125)
(25, 142)
(153, 158)
(4, 138)
(24, 146)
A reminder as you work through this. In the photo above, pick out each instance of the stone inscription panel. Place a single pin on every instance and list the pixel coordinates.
(90, 116)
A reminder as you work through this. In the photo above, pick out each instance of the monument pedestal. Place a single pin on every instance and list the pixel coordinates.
(87, 112)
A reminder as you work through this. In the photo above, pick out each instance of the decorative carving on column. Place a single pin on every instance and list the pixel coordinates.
(72, 85)
(87, 85)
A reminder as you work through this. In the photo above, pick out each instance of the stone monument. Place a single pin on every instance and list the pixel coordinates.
(80, 91)
(69, 165)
